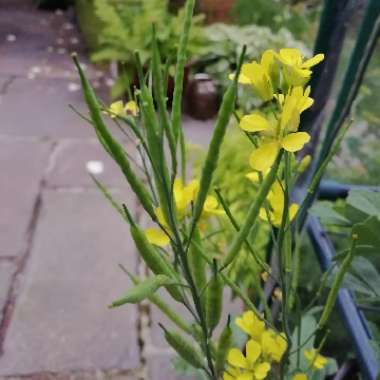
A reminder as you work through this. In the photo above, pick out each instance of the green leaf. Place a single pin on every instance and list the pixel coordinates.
(368, 236)
(143, 290)
(365, 200)
(307, 327)
(328, 215)
(363, 277)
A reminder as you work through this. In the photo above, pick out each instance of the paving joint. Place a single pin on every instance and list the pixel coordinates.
(8, 82)
(143, 310)
(22, 261)
(97, 374)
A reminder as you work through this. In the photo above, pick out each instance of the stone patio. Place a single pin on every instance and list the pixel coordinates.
(60, 242)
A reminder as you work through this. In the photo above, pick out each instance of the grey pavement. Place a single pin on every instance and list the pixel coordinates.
(60, 242)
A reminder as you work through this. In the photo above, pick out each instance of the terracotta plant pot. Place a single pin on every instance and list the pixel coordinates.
(216, 10)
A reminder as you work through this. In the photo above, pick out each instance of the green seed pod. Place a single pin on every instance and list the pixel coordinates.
(163, 306)
(111, 145)
(154, 260)
(196, 262)
(224, 344)
(333, 294)
(143, 290)
(214, 301)
(211, 161)
(184, 348)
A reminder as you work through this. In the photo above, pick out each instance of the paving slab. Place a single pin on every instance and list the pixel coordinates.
(61, 321)
(160, 367)
(197, 131)
(35, 43)
(69, 164)
(40, 108)
(6, 272)
(22, 166)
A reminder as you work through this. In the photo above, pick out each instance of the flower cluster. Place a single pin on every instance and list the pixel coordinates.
(184, 196)
(279, 77)
(279, 80)
(263, 348)
(316, 360)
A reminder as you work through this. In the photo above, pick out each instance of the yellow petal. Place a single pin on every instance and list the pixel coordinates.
(253, 176)
(261, 82)
(191, 191)
(293, 209)
(132, 108)
(290, 56)
(295, 76)
(299, 376)
(160, 217)
(179, 195)
(263, 214)
(246, 376)
(253, 351)
(210, 206)
(117, 109)
(263, 157)
(254, 122)
(237, 359)
(261, 370)
(294, 142)
(157, 237)
(313, 61)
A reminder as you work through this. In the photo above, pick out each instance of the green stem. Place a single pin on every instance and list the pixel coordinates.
(253, 213)
(331, 298)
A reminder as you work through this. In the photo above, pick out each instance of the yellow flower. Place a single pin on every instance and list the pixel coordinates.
(232, 373)
(278, 133)
(184, 195)
(116, 109)
(131, 108)
(276, 201)
(299, 376)
(253, 369)
(295, 102)
(261, 75)
(273, 345)
(251, 324)
(210, 207)
(317, 361)
(157, 237)
(295, 69)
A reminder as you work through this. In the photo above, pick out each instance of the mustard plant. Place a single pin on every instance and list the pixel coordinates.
(183, 211)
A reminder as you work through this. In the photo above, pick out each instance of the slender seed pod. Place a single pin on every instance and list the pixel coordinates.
(214, 301)
(225, 112)
(155, 262)
(331, 298)
(160, 98)
(224, 344)
(111, 145)
(184, 348)
(143, 290)
(179, 71)
(163, 306)
(160, 170)
(196, 262)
